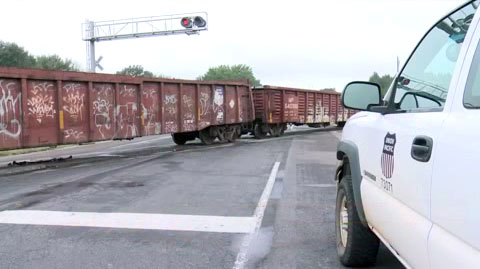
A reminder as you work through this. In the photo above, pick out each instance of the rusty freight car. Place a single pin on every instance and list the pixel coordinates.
(40, 107)
(275, 107)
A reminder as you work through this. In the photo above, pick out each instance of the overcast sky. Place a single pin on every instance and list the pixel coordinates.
(305, 44)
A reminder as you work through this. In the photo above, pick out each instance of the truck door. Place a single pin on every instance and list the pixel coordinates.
(454, 241)
(398, 165)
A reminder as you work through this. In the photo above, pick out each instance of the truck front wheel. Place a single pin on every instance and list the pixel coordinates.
(356, 244)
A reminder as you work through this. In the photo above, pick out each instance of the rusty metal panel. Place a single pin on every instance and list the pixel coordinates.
(301, 106)
(10, 114)
(319, 110)
(73, 116)
(126, 111)
(333, 108)
(205, 109)
(218, 105)
(259, 104)
(274, 106)
(170, 104)
(244, 103)
(310, 107)
(102, 107)
(44, 107)
(351, 112)
(188, 107)
(342, 112)
(230, 105)
(326, 107)
(292, 110)
(151, 117)
(42, 112)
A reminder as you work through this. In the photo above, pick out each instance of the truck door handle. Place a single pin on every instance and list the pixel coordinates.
(422, 148)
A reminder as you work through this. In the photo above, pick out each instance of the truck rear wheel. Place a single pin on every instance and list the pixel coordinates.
(356, 244)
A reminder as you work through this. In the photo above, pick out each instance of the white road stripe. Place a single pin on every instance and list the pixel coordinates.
(242, 256)
(169, 222)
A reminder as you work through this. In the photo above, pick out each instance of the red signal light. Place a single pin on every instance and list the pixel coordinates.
(186, 22)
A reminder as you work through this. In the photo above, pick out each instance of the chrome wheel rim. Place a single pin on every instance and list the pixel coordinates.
(343, 221)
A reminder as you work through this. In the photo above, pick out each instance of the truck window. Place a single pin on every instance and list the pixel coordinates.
(471, 96)
(430, 68)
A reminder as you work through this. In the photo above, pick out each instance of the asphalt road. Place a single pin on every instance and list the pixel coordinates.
(147, 203)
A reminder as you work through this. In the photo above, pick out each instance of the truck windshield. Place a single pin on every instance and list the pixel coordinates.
(430, 68)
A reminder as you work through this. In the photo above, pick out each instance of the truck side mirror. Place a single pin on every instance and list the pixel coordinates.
(361, 95)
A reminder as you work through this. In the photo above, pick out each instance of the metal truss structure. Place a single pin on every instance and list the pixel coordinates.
(135, 28)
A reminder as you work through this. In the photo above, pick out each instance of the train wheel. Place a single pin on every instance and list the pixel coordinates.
(205, 136)
(275, 130)
(221, 133)
(231, 133)
(258, 131)
(231, 136)
(179, 139)
(283, 127)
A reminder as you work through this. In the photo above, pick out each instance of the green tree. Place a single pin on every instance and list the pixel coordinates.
(226, 72)
(54, 62)
(12, 55)
(135, 71)
(384, 81)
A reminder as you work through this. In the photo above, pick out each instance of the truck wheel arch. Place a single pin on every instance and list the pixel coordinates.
(347, 153)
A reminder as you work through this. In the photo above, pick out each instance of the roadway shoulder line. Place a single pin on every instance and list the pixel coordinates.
(169, 222)
(242, 256)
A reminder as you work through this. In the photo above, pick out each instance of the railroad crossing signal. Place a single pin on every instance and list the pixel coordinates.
(97, 63)
(198, 22)
(186, 22)
(190, 23)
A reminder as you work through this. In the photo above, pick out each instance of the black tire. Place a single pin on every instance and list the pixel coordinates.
(341, 124)
(179, 139)
(361, 244)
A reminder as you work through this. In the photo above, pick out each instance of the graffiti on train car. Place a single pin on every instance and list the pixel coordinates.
(170, 104)
(126, 111)
(188, 114)
(204, 103)
(128, 91)
(41, 104)
(101, 109)
(73, 101)
(126, 126)
(55, 107)
(205, 113)
(150, 110)
(74, 135)
(218, 104)
(9, 115)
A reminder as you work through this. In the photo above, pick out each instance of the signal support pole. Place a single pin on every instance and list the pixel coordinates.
(139, 27)
(89, 33)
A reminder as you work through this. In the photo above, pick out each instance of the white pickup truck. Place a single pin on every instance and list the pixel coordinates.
(409, 164)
